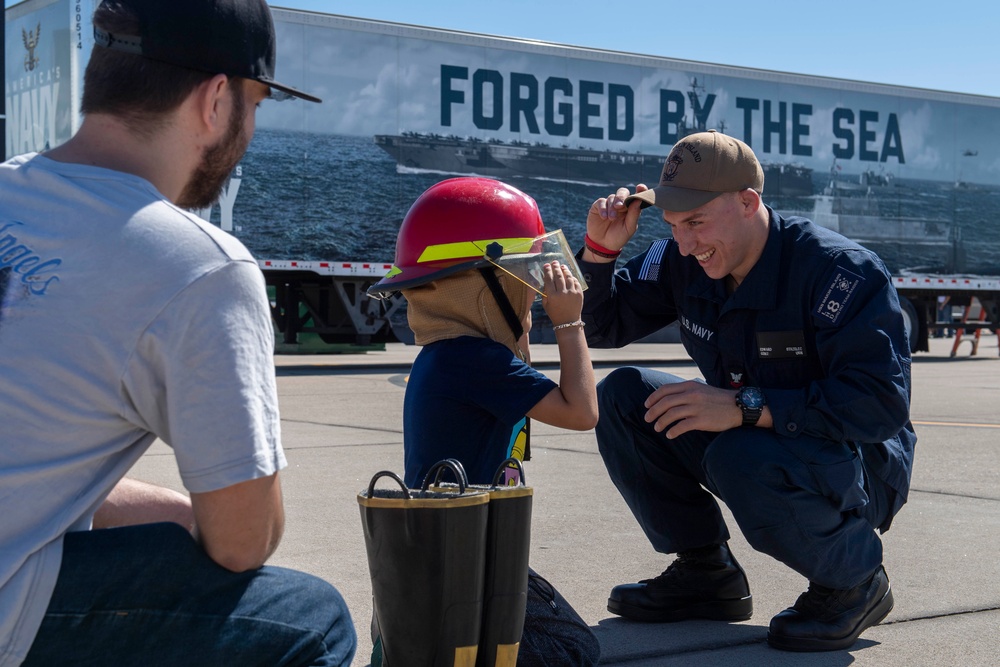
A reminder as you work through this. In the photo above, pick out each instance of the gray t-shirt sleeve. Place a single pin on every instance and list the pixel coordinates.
(202, 379)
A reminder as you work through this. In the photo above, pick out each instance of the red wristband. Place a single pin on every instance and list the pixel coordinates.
(599, 250)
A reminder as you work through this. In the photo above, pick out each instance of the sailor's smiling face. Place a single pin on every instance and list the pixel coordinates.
(720, 234)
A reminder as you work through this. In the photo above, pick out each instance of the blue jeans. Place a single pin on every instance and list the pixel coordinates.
(149, 595)
(808, 502)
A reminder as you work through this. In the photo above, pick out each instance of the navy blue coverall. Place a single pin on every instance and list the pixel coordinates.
(816, 324)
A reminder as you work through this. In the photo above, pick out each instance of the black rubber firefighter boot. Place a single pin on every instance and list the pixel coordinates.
(508, 537)
(426, 555)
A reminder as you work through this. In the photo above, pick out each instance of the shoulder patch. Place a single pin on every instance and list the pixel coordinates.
(650, 270)
(837, 295)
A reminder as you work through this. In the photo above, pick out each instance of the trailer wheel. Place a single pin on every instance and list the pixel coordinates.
(911, 323)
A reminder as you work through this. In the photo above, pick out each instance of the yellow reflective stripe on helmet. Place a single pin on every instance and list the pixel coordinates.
(394, 271)
(464, 249)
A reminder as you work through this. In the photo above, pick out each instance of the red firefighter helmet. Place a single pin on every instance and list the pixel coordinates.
(456, 225)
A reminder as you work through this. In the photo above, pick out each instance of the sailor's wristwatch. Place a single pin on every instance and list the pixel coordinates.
(751, 402)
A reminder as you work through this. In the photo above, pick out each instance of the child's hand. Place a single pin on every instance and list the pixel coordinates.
(563, 299)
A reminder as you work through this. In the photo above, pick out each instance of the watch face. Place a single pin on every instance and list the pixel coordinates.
(752, 397)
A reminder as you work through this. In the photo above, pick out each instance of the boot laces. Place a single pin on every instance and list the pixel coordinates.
(822, 600)
(683, 566)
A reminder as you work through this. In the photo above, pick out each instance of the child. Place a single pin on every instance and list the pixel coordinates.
(471, 256)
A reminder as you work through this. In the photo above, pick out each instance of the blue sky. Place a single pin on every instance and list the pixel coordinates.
(944, 46)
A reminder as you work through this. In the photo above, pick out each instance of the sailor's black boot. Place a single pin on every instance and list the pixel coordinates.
(827, 619)
(701, 583)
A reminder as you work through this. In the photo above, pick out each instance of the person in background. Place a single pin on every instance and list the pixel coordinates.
(944, 316)
(125, 318)
(472, 255)
(801, 425)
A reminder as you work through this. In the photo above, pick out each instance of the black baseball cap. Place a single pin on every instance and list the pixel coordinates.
(231, 37)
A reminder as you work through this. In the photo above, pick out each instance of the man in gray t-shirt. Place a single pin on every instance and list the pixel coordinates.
(124, 318)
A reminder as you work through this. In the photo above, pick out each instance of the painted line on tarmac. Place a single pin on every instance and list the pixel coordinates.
(970, 425)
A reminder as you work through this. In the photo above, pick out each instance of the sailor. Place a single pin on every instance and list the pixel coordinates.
(801, 425)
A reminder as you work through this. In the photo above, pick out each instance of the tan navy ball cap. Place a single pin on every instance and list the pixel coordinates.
(701, 167)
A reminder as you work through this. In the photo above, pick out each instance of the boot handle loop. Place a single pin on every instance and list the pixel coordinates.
(387, 473)
(511, 462)
(456, 468)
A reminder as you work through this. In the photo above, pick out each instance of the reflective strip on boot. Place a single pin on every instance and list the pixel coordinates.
(507, 655)
(465, 656)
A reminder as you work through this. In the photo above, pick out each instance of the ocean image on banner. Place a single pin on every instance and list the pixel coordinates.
(912, 174)
(310, 196)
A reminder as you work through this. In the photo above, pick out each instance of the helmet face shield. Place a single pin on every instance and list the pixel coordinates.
(523, 259)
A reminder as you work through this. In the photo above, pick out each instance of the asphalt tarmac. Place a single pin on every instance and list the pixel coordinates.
(342, 422)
